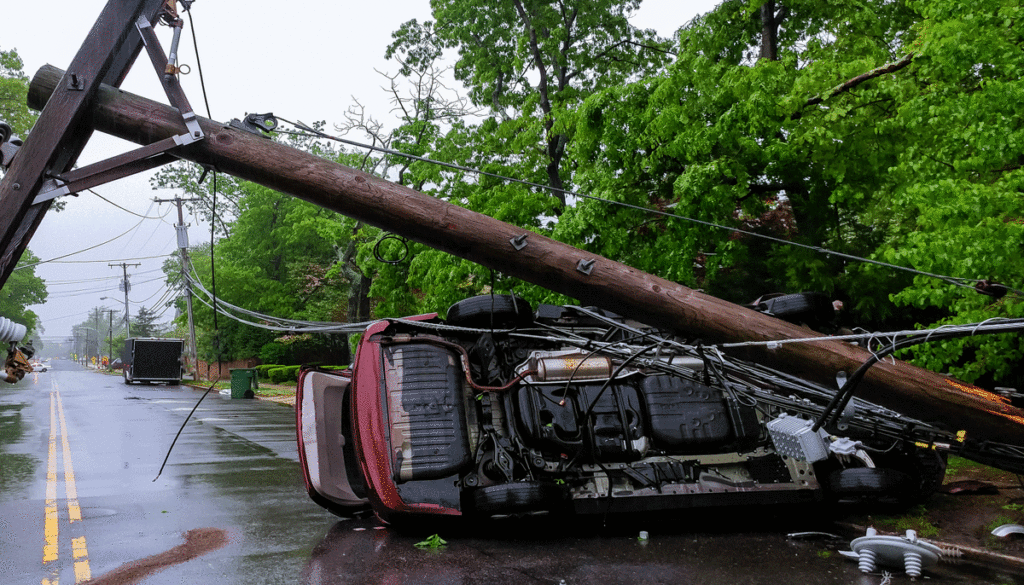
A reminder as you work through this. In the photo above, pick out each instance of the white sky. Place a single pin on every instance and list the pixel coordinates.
(302, 60)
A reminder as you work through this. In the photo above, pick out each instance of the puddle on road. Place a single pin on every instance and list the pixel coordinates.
(16, 469)
(88, 513)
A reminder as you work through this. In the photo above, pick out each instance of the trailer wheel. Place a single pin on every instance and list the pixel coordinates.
(518, 497)
(498, 311)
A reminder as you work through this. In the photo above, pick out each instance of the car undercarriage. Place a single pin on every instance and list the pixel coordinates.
(500, 409)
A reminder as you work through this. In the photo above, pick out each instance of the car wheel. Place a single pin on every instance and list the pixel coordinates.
(499, 311)
(815, 309)
(511, 498)
(861, 482)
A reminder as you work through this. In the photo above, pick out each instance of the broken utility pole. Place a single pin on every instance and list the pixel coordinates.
(543, 261)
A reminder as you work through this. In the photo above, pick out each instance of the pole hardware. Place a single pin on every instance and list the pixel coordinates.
(258, 124)
(147, 157)
(519, 242)
(75, 82)
(586, 266)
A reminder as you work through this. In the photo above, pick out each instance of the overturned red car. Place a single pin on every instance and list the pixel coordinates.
(501, 409)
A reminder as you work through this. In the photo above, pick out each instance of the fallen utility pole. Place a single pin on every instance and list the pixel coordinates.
(523, 254)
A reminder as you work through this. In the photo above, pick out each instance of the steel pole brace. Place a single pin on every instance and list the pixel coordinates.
(144, 158)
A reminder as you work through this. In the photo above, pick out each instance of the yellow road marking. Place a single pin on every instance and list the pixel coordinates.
(74, 510)
(51, 529)
(81, 556)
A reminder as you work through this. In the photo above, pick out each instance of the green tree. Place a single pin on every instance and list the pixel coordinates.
(527, 66)
(870, 128)
(14, 94)
(22, 290)
(144, 324)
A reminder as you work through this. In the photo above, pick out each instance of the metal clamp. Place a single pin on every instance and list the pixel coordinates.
(255, 123)
(586, 266)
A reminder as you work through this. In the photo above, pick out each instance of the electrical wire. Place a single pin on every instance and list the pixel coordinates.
(956, 281)
(995, 326)
(83, 250)
(124, 209)
(50, 283)
(199, 64)
(115, 260)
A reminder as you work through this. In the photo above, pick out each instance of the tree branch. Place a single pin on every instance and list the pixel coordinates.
(854, 82)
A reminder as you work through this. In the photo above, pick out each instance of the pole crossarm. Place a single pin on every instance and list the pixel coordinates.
(61, 132)
(41, 169)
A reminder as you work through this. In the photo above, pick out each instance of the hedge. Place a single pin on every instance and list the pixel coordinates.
(263, 371)
(283, 374)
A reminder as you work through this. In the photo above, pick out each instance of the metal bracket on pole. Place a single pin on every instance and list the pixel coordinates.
(171, 86)
(147, 157)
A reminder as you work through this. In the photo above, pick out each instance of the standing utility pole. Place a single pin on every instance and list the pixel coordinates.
(182, 231)
(110, 335)
(125, 286)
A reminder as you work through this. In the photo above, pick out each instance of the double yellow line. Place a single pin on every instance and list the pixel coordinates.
(51, 525)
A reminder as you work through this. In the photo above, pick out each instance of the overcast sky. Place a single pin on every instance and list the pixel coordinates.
(302, 60)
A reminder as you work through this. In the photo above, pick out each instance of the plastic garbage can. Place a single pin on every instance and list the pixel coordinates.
(243, 382)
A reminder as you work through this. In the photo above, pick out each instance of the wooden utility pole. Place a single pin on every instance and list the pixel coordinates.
(517, 252)
(125, 286)
(182, 231)
(61, 132)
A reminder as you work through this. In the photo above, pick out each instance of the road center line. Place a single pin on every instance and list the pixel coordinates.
(51, 528)
(74, 510)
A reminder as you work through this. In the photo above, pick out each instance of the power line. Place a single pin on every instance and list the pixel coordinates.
(99, 261)
(956, 281)
(84, 250)
(125, 209)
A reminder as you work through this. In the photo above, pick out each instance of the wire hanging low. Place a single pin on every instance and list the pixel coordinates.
(389, 236)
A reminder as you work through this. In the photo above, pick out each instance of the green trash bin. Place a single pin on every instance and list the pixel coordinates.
(243, 382)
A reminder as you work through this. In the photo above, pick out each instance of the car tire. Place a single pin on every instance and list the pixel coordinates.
(864, 482)
(518, 497)
(814, 309)
(486, 311)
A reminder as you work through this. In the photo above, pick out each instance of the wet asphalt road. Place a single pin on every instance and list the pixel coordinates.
(77, 443)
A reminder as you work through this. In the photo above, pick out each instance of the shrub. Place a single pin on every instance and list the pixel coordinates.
(283, 374)
(263, 371)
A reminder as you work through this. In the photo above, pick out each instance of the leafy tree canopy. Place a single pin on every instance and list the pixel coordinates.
(14, 94)
(873, 128)
(23, 289)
